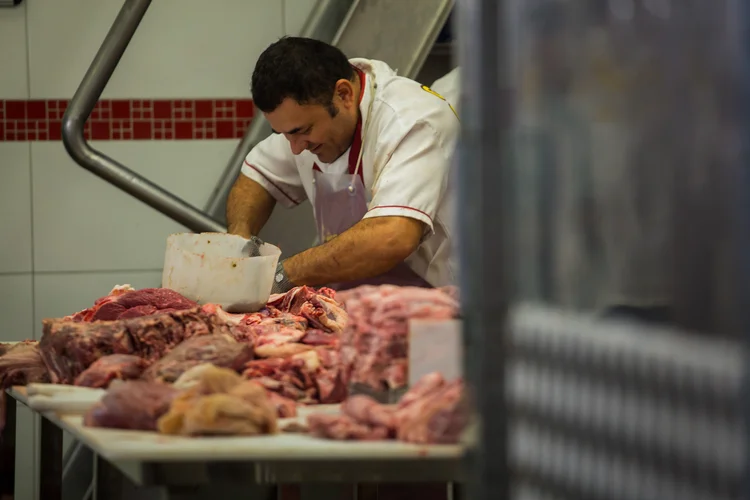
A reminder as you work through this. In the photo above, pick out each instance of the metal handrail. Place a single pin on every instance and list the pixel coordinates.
(323, 24)
(83, 103)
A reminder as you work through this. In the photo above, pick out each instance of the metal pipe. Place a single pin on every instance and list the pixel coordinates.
(258, 130)
(322, 24)
(486, 279)
(82, 105)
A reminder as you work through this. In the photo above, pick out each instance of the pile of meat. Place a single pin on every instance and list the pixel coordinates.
(156, 335)
(374, 344)
(313, 376)
(154, 349)
(432, 412)
(219, 401)
(125, 302)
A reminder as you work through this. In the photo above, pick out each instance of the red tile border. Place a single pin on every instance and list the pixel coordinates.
(129, 119)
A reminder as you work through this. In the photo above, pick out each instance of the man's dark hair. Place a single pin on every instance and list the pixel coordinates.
(302, 69)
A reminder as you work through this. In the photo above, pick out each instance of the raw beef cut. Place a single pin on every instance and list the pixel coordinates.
(69, 347)
(272, 317)
(374, 344)
(291, 323)
(362, 419)
(320, 338)
(438, 417)
(21, 364)
(125, 302)
(219, 350)
(220, 403)
(319, 307)
(309, 377)
(134, 404)
(343, 428)
(278, 341)
(285, 407)
(112, 367)
(431, 412)
(330, 378)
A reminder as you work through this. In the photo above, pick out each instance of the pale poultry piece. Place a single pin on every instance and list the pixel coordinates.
(220, 402)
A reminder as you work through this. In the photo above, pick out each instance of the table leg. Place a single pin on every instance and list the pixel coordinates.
(111, 484)
(50, 460)
(456, 491)
(8, 445)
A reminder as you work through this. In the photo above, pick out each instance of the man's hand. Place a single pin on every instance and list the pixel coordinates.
(369, 248)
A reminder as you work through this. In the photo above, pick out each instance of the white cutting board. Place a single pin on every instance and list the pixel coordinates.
(435, 346)
(138, 446)
(74, 400)
(60, 398)
(120, 445)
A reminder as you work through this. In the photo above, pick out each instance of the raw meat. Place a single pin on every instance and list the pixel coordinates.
(292, 323)
(287, 376)
(221, 402)
(278, 341)
(112, 367)
(134, 404)
(272, 316)
(343, 427)
(366, 410)
(309, 377)
(319, 307)
(374, 344)
(431, 412)
(219, 350)
(329, 376)
(439, 417)
(69, 347)
(320, 338)
(125, 302)
(20, 364)
(285, 407)
(191, 377)
(362, 419)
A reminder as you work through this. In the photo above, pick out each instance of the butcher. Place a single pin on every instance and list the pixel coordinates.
(369, 149)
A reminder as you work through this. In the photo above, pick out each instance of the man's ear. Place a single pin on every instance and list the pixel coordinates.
(345, 91)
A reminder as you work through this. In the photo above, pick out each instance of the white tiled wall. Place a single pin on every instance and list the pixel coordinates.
(182, 48)
(109, 229)
(15, 207)
(66, 237)
(14, 82)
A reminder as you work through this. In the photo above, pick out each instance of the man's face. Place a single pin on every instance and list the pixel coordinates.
(311, 126)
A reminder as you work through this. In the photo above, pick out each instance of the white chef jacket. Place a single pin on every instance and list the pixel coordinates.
(449, 86)
(406, 153)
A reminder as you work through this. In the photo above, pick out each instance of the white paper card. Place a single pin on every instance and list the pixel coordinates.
(435, 346)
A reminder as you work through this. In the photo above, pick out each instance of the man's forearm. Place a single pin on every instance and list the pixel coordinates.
(249, 206)
(370, 248)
